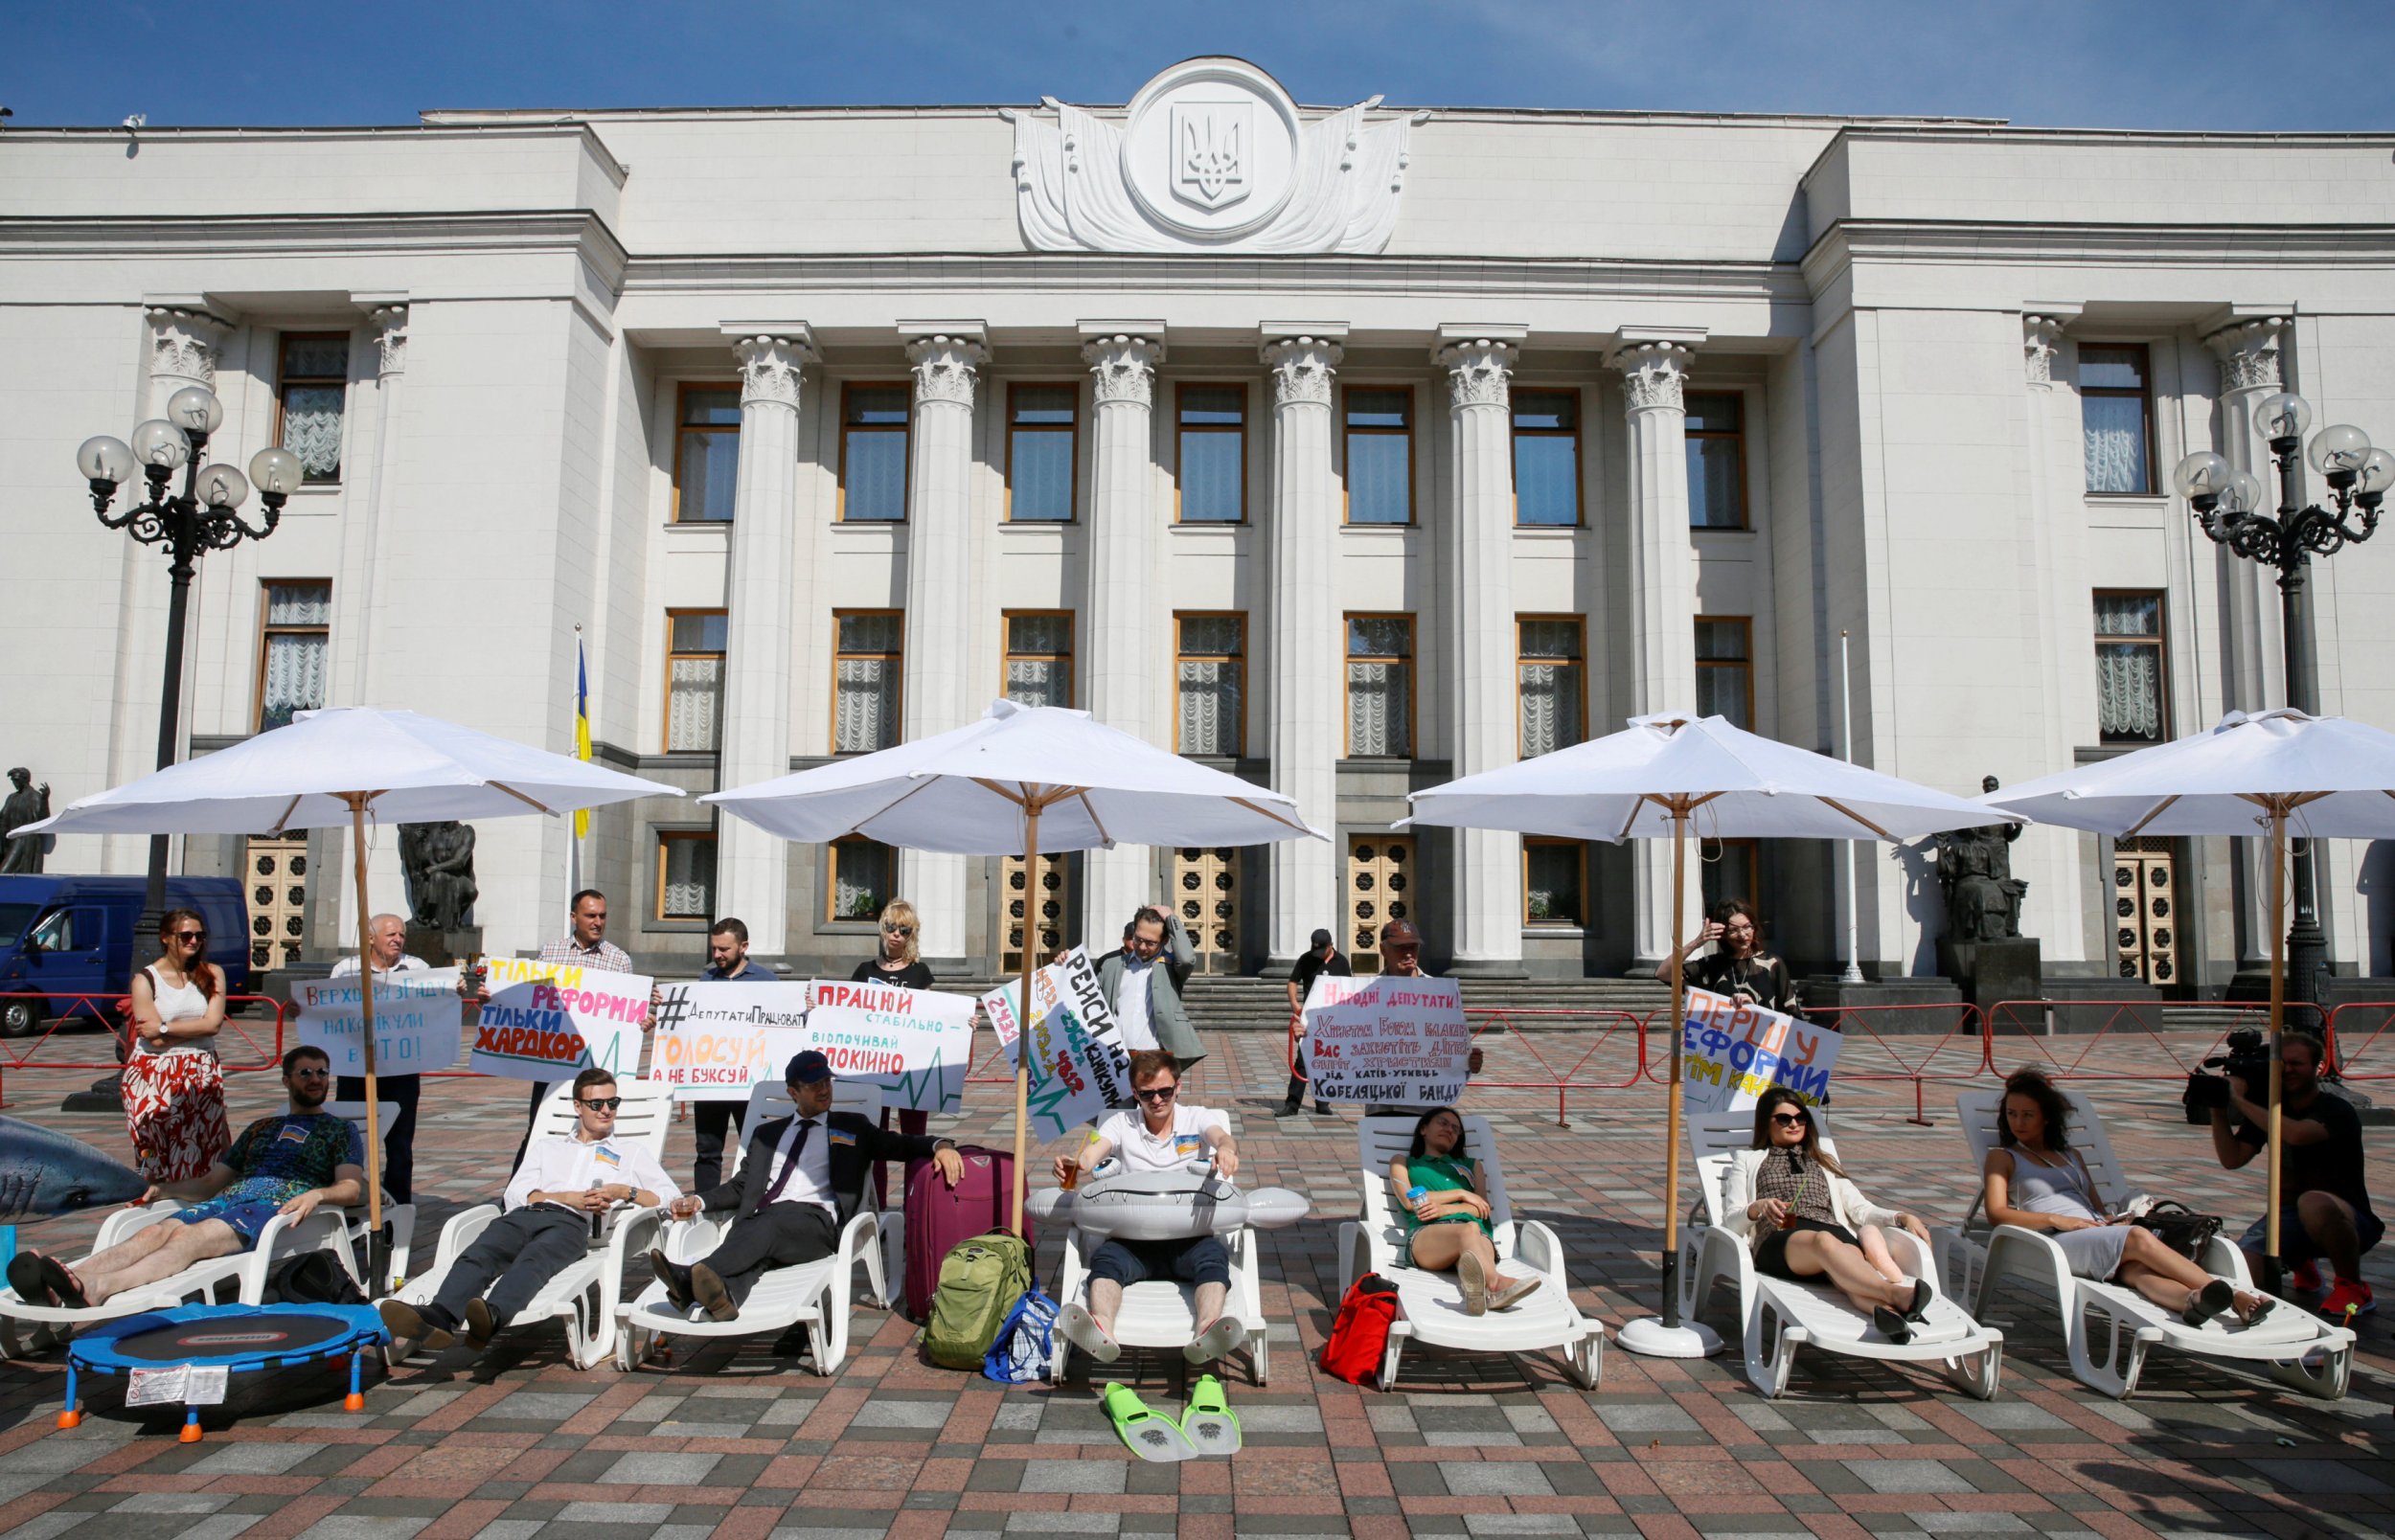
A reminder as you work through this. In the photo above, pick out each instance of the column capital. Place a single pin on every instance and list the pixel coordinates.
(1479, 372)
(947, 368)
(1302, 367)
(1653, 373)
(184, 343)
(1125, 369)
(2249, 354)
(390, 322)
(769, 368)
(2041, 339)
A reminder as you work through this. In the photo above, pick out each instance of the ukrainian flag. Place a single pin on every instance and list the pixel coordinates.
(582, 727)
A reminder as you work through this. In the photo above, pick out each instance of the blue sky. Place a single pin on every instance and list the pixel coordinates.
(2113, 63)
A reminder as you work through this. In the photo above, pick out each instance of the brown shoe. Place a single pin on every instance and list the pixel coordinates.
(712, 1295)
(407, 1325)
(480, 1326)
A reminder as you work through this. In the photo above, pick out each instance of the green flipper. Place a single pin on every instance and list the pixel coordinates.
(1148, 1435)
(1209, 1423)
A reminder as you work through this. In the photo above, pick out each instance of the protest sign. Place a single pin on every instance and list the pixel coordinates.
(549, 1021)
(915, 1044)
(1388, 1039)
(1078, 1069)
(716, 1039)
(1732, 1050)
(417, 1018)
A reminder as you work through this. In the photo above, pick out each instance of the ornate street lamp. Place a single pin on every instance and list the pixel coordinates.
(2227, 505)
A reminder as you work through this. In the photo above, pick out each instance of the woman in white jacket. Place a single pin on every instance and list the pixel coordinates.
(1800, 1214)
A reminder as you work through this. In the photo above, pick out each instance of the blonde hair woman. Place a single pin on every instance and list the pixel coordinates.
(899, 964)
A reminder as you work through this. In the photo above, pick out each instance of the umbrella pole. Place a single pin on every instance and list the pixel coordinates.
(2270, 1268)
(1671, 1118)
(1022, 1007)
(365, 1036)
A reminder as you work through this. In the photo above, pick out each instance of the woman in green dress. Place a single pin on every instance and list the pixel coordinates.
(1437, 1188)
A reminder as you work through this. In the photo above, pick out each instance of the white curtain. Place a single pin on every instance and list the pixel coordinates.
(2128, 691)
(1377, 721)
(860, 879)
(866, 714)
(312, 429)
(1039, 681)
(690, 877)
(695, 704)
(1550, 707)
(296, 660)
(2116, 444)
(1210, 706)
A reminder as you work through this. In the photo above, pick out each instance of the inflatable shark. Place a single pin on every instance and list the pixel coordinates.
(1122, 1205)
(44, 1174)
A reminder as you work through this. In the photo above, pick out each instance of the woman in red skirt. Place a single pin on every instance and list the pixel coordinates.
(174, 1086)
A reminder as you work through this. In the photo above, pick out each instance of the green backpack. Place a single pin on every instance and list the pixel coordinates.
(980, 1280)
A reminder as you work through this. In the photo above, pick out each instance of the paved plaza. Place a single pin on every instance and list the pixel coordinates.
(737, 1440)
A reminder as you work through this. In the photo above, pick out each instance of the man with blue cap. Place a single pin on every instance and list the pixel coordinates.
(803, 1179)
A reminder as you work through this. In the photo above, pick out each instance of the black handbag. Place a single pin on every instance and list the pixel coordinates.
(2180, 1227)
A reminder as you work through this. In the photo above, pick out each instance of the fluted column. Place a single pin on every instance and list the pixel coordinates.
(751, 865)
(1482, 691)
(390, 322)
(1126, 650)
(1308, 670)
(1662, 593)
(2054, 529)
(936, 689)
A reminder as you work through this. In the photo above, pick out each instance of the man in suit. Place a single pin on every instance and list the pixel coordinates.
(1143, 983)
(801, 1185)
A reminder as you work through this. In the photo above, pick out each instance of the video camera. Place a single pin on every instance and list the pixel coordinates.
(2247, 1059)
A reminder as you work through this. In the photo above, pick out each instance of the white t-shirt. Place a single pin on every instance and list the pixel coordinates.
(1184, 1142)
(408, 963)
(1132, 1015)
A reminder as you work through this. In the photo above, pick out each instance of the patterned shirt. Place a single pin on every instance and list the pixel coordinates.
(1798, 1180)
(277, 1159)
(606, 956)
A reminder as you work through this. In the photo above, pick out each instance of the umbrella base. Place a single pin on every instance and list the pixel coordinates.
(1649, 1337)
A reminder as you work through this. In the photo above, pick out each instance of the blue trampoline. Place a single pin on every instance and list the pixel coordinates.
(242, 1339)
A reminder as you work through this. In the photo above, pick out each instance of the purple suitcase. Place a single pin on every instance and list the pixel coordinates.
(938, 1216)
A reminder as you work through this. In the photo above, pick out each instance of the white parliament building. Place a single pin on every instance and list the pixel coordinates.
(1348, 448)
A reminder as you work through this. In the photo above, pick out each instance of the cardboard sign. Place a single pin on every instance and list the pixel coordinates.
(1079, 1067)
(915, 1044)
(416, 1021)
(717, 1038)
(549, 1021)
(1732, 1050)
(1388, 1039)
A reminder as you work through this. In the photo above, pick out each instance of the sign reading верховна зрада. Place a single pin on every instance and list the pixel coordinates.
(548, 1021)
(416, 1021)
(1392, 1039)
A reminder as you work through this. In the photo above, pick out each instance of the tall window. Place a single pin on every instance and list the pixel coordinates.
(2116, 408)
(1040, 658)
(1726, 670)
(866, 678)
(1213, 453)
(1554, 874)
(1553, 693)
(1379, 456)
(1212, 674)
(1717, 459)
(873, 452)
(1546, 457)
(1039, 458)
(1380, 685)
(861, 878)
(1727, 870)
(2128, 668)
(311, 385)
(693, 680)
(298, 628)
(706, 453)
(686, 875)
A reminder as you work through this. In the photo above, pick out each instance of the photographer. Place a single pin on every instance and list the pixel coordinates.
(2324, 1205)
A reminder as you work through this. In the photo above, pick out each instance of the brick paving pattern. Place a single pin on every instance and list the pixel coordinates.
(737, 1440)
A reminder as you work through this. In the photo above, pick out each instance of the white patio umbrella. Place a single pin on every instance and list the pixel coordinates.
(339, 766)
(1647, 781)
(1021, 780)
(2328, 775)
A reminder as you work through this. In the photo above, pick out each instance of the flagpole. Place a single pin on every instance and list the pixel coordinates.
(1846, 714)
(581, 751)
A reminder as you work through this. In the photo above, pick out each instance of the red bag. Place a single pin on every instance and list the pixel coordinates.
(938, 1216)
(1360, 1335)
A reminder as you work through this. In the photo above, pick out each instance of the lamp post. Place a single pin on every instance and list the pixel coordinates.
(2226, 504)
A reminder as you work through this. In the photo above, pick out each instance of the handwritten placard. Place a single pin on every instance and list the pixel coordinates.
(717, 1038)
(1079, 1068)
(1391, 1039)
(1732, 1050)
(417, 1018)
(549, 1021)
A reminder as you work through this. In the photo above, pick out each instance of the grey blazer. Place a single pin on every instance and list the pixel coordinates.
(1174, 1032)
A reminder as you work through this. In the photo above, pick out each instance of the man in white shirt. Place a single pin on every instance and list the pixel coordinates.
(1142, 983)
(386, 942)
(1164, 1134)
(563, 1187)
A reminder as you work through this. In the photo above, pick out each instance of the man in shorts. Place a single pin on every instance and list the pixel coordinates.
(290, 1164)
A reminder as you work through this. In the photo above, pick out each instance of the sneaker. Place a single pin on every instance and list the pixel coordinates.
(2304, 1278)
(1514, 1292)
(2349, 1299)
(1473, 1280)
(480, 1327)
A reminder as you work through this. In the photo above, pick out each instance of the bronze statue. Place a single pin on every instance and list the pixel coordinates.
(1975, 874)
(27, 804)
(438, 860)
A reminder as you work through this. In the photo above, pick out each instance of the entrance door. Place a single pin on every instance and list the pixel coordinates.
(2144, 895)
(1380, 879)
(277, 900)
(1046, 910)
(1206, 884)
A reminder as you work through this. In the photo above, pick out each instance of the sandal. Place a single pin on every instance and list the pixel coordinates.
(2207, 1302)
(2263, 1306)
(1208, 1424)
(59, 1281)
(1223, 1334)
(1148, 1435)
(1514, 1292)
(1081, 1328)
(25, 1277)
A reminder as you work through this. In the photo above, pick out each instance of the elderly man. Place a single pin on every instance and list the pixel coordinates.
(386, 943)
(1142, 981)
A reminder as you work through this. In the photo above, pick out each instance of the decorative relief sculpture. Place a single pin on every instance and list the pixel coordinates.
(1125, 369)
(1302, 367)
(947, 368)
(391, 338)
(2041, 339)
(1652, 375)
(1478, 373)
(1212, 155)
(2249, 355)
(183, 345)
(769, 369)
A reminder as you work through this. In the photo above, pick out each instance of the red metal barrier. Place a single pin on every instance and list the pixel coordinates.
(2351, 1039)
(109, 1012)
(1928, 1054)
(2140, 1024)
(1524, 1028)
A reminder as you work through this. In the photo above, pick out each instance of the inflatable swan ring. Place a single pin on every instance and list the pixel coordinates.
(1175, 1205)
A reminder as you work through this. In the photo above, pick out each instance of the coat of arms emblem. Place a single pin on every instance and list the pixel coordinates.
(1211, 141)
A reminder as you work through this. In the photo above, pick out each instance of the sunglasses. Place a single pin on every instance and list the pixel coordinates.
(898, 930)
(312, 1074)
(1162, 1093)
(191, 936)
(1790, 1120)
(601, 1103)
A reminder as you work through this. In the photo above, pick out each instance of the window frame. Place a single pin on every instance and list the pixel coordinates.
(905, 430)
(1516, 431)
(1072, 432)
(1738, 437)
(1578, 660)
(1348, 657)
(1404, 393)
(665, 716)
(268, 631)
(666, 838)
(2144, 397)
(1180, 429)
(896, 656)
(1580, 851)
(1746, 626)
(2159, 641)
(831, 880)
(682, 430)
(1008, 655)
(283, 382)
(1239, 660)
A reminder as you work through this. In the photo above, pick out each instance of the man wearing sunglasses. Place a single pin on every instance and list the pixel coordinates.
(712, 1122)
(555, 1202)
